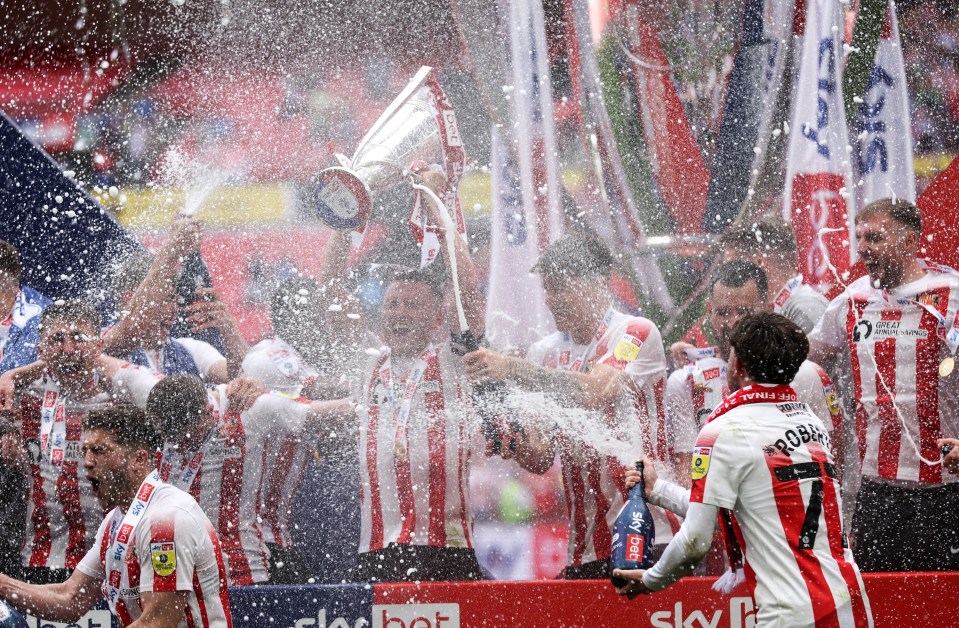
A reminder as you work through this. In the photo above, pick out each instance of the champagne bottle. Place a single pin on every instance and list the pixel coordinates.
(633, 533)
(194, 274)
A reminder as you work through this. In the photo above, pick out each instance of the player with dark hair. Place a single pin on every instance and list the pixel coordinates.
(762, 466)
(896, 330)
(53, 396)
(156, 555)
(770, 243)
(219, 453)
(604, 363)
(692, 392)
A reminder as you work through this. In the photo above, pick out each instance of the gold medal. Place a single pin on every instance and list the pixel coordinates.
(947, 366)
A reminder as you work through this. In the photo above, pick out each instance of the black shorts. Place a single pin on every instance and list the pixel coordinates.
(906, 529)
(411, 563)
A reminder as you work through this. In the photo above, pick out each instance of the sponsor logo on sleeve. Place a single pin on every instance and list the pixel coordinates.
(628, 349)
(700, 463)
(164, 558)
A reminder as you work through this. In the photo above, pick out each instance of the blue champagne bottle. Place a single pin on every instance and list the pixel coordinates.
(633, 533)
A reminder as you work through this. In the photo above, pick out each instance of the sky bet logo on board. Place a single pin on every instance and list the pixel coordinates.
(741, 614)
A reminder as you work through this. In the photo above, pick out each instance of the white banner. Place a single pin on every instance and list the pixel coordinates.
(818, 198)
(884, 131)
(527, 207)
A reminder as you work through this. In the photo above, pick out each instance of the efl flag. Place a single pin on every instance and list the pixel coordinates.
(883, 130)
(527, 210)
(818, 199)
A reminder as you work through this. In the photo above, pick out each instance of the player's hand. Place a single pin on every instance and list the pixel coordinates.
(208, 312)
(485, 365)
(634, 585)
(649, 475)
(677, 351)
(185, 234)
(8, 386)
(435, 180)
(951, 462)
(243, 392)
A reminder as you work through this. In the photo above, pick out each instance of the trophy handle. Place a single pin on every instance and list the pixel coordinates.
(418, 79)
(342, 199)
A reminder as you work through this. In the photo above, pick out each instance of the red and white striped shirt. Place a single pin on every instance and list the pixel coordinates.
(231, 481)
(175, 548)
(414, 472)
(593, 478)
(62, 513)
(770, 464)
(282, 369)
(898, 341)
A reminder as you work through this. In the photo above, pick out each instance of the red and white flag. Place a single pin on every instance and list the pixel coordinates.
(527, 206)
(818, 194)
(883, 129)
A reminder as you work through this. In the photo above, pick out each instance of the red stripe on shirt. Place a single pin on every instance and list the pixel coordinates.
(834, 530)
(162, 531)
(602, 539)
(231, 486)
(282, 467)
(404, 491)
(200, 602)
(436, 436)
(927, 392)
(576, 493)
(221, 572)
(890, 428)
(792, 515)
(372, 466)
(125, 618)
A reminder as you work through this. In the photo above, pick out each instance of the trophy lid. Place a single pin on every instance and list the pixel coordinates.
(341, 199)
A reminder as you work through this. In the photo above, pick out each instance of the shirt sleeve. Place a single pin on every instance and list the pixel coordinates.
(816, 389)
(681, 429)
(805, 309)
(638, 351)
(204, 355)
(169, 550)
(133, 384)
(277, 412)
(831, 329)
(720, 458)
(687, 548)
(91, 564)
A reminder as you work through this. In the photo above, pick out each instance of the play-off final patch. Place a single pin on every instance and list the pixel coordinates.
(700, 463)
(164, 558)
(627, 350)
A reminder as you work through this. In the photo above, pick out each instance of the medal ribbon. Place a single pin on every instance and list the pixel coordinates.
(786, 292)
(122, 528)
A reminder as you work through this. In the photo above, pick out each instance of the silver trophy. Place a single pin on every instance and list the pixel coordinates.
(406, 132)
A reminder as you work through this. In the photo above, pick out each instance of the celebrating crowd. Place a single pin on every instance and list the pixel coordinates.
(811, 429)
